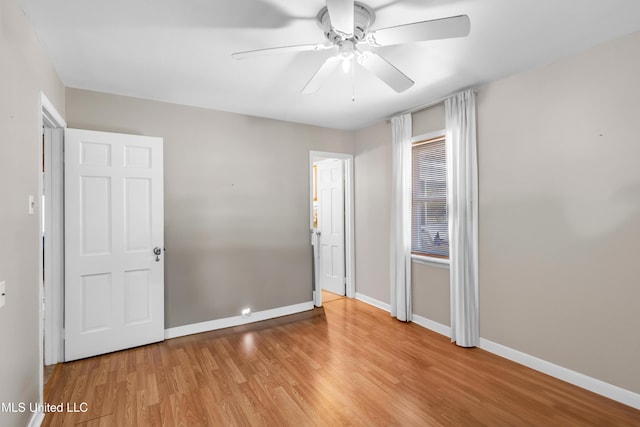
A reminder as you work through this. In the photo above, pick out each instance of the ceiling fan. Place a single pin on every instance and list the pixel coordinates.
(346, 25)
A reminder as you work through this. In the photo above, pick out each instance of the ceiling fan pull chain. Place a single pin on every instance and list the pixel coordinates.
(353, 80)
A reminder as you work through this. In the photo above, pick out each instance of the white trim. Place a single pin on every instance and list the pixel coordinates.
(432, 325)
(349, 225)
(50, 114)
(374, 302)
(430, 135)
(597, 386)
(228, 322)
(54, 246)
(433, 262)
(47, 115)
(36, 419)
(572, 377)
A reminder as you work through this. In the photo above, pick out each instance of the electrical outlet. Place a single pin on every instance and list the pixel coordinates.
(2, 292)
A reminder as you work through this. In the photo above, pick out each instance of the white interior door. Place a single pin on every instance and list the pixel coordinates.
(114, 219)
(331, 225)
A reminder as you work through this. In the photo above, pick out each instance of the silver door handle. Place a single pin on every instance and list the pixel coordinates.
(157, 251)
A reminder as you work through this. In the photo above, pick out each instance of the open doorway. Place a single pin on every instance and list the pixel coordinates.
(332, 224)
(51, 237)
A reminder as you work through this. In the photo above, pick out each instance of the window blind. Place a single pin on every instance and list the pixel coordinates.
(429, 225)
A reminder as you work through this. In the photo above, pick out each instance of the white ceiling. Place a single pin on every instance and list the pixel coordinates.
(179, 50)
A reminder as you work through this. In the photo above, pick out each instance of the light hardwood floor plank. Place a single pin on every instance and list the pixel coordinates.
(346, 363)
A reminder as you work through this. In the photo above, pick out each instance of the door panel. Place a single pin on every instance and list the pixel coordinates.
(96, 292)
(137, 292)
(95, 215)
(138, 218)
(114, 284)
(331, 225)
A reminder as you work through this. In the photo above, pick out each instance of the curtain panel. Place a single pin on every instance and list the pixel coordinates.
(401, 306)
(462, 170)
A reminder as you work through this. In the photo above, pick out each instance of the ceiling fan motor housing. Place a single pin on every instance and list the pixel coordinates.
(363, 18)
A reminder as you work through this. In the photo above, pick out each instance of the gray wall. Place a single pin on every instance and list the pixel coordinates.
(372, 167)
(236, 201)
(428, 120)
(24, 72)
(558, 152)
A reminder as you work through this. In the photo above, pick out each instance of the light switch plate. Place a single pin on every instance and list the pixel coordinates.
(32, 205)
(2, 292)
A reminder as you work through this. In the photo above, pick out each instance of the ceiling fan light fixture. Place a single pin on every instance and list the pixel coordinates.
(363, 17)
(346, 49)
(346, 52)
(346, 24)
(346, 64)
(362, 57)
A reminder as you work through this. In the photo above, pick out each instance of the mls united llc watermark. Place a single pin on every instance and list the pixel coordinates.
(19, 407)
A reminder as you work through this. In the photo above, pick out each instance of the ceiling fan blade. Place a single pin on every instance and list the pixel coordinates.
(277, 50)
(321, 75)
(445, 28)
(386, 72)
(341, 16)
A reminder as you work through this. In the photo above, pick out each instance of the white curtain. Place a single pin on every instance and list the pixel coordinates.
(462, 169)
(401, 218)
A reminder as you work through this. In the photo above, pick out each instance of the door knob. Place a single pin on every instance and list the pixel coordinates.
(157, 251)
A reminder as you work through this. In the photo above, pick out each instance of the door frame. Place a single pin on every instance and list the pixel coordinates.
(49, 118)
(349, 223)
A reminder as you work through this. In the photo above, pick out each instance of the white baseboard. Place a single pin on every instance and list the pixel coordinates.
(583, 381)
(434, 326)
(36, 419)
(227, 322)
(597, 386)
(374, 302)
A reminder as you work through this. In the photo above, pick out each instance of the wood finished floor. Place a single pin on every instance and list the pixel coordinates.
(329, 296)
(344, 364)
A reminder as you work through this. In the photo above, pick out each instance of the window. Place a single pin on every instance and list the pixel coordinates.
(429, 223)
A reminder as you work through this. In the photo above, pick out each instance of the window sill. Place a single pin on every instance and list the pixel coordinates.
(431, 261)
